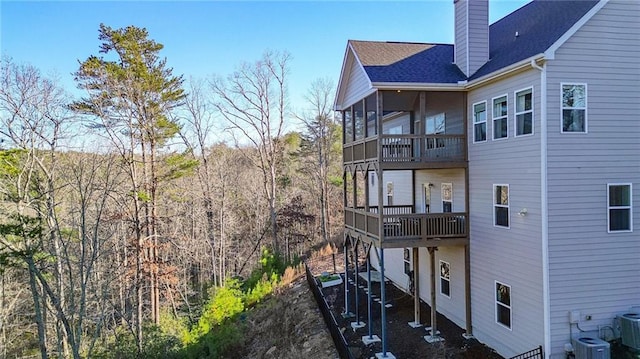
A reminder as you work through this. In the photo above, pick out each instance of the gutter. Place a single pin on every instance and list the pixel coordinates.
(544, 205)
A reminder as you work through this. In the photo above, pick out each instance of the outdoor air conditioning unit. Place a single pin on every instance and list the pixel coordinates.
(591, 348)
(630, 330)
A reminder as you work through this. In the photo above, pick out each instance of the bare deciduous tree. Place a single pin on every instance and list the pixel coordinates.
(320, 139)
(254, 101)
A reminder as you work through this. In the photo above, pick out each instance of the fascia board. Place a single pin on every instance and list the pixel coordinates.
(420, 86)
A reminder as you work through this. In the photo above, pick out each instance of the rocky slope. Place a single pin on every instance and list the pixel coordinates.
(287, 325)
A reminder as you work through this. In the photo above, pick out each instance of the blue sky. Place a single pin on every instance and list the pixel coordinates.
(202, 38)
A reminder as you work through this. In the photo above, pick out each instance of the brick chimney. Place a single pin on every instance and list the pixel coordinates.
(472, 34)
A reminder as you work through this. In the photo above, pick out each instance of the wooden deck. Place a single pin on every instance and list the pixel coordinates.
(402, 228)
(408, 151)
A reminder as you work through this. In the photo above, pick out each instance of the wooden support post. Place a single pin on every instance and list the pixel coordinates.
(467, 289)
(416, 286)
(383, 303)
(432, 259)
(356, 294)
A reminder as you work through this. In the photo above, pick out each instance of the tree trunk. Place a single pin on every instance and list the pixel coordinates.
(37, 309)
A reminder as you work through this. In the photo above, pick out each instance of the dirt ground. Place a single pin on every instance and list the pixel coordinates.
(288, 325)
(403, 341)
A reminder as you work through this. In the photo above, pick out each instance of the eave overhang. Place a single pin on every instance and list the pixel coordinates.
(418, 86)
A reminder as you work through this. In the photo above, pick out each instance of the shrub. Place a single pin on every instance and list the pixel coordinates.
(226, 302)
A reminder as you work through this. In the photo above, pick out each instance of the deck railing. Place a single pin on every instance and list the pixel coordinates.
(407, 148)
(400, 223)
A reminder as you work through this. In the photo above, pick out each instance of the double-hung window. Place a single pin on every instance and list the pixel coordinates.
(574, 108)
(447, 197)
(619, 207)
(503, 304)
(480, 121)
(445, 278)
(524, 112)
(501, 205)
(408, 266)
(500, 127)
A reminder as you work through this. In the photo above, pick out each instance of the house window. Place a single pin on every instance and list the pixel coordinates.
(372, 178)
(389, 193)
(503, 304)
(501, 205)
(435, 125)
(359, 120)
(619, 207)
(371, 104)
(445, 279)
(407, 261)
(447, 197)
(348, 126)
(480, 122)
(574, 108)
(524, 112)
(500, 128)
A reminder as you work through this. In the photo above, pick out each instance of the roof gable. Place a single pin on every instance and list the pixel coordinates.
(404, 62)
(538, 25)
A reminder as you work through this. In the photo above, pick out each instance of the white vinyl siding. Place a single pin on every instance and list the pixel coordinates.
(480, 121)
(402, 189)
(523, 121)
(514, 255)
(499, 117)
(452, 177)
(619, 207)
(590, 270)
(356, 82)
(452, 307)
(574, 108)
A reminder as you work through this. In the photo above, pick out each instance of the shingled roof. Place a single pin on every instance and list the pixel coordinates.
(539, 24)
(407, 62)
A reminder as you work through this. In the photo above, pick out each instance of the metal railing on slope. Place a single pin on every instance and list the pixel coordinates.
(338, 339)
(536, 353)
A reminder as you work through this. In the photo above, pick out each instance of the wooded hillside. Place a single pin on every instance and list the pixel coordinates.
(132, 205)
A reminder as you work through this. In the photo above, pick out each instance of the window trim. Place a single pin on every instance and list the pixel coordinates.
(493, 196)
(442, 190)
(505, 118)
(516, 113)
(486, 126)
(407, 261)
(586, 108)
(630, 207)
(497, 303)
(443, 278)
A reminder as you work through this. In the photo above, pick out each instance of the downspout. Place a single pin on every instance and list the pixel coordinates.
(544, 206)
